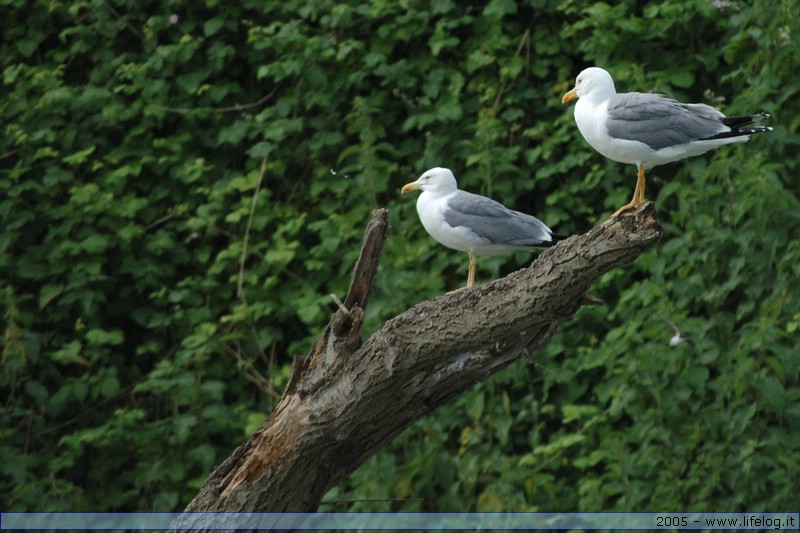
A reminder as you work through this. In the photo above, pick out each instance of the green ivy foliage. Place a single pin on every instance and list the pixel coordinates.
(184, 186)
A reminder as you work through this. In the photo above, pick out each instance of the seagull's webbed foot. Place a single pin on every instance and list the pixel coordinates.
(456, 290)
(638, 194)
(629, 205)
(473, 263)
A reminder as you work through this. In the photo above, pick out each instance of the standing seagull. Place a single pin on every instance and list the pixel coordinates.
(472, 223)
(649, 129)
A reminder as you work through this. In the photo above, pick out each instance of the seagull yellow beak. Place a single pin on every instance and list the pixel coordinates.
(571, 96)
(408, 187)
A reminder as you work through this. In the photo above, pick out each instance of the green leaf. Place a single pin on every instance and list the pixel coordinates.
(79, 157)
(48, 293)
(475, 406)
(212, 26)
(99, 337)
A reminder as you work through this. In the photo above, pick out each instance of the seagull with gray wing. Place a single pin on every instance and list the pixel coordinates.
(648, 129)
(474, 224)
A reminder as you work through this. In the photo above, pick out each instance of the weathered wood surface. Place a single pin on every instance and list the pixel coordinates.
(346, 400)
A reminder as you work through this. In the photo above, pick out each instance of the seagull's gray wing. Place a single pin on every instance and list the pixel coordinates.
(496, 223)
(661, 122)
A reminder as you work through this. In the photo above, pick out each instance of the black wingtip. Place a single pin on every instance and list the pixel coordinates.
(759, 129)
(739, 131)
(734, 123)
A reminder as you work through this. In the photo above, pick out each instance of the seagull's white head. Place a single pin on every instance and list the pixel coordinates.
(436, 180)
(594, 83)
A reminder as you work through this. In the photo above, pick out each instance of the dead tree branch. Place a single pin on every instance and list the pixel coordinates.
(346, 400)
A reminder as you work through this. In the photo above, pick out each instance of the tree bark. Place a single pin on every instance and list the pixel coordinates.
(346, 400)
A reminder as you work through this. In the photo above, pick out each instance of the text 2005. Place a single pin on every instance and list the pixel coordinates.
(671, 521)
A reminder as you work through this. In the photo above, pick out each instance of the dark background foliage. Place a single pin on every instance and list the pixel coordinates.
(185, 184)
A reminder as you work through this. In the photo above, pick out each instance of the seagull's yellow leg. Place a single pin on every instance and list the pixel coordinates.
(638, 194)
(473, 263)
(641, 182)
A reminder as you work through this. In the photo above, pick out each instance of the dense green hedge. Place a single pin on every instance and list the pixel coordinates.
(183, 186)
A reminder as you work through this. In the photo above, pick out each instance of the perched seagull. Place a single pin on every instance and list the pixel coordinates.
(472, 223)
(677, 338)
(648, 129)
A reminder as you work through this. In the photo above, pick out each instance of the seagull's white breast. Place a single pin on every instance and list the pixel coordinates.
(431, 209)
